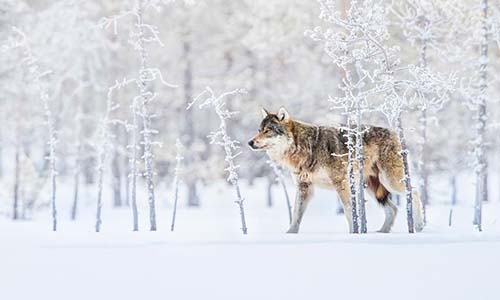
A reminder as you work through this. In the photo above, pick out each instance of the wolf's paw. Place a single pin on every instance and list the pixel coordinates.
(384, 230)
(293, 230)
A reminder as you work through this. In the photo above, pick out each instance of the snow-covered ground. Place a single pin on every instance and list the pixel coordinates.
(207, 257)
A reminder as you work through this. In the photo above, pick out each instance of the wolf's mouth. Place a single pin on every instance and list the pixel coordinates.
(254, 147)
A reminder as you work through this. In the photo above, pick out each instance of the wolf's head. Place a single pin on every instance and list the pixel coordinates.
(274, 132)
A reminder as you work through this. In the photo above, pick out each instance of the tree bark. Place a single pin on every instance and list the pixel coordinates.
(481, 162)
(270, 183)
(147, 132)
(189, 130)
(15, 211)
(422, 164)
(117, 175)
(407, 178)
(360, 193)
(133, 168)
(350, 174)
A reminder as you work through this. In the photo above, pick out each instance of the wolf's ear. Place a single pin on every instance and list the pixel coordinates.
(283, 114)
(264, 112)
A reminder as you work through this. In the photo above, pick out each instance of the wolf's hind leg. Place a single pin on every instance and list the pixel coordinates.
(393, 182)
(382, 195)
(390, 211)
(304, 193)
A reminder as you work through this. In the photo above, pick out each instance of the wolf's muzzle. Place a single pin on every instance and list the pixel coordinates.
(251, 143)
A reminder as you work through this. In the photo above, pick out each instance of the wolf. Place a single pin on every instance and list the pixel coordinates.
(313, 154)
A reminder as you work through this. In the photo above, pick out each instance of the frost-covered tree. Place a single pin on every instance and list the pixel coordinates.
(355, 43)
(177, 171)
(220, 137)
(38, 76)
(424, 25)
(359, 44)
(105, 135)
(476, 29)
(141, 35)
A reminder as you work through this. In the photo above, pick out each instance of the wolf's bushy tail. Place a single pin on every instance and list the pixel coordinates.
(381, 193)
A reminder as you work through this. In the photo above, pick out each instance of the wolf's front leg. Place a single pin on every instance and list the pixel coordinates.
(304, 193)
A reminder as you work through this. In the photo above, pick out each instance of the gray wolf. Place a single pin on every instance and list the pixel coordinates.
(308, 152)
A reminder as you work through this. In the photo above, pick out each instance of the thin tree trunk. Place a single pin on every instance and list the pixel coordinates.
(281, 180)
(422, 164)
(189, 132)
(105, 137)
(287, 198)
(423, 120)
(407, 178)
(100, 175)
(31, 64)
(147, 132)
(350, 174)
(117, 178)
(74, 206)
(270, 183)
(1, 153)
(453, 190)
(453, 198)
(360, 157)
(15, 212)
(126, 166)
(481, 162)
(242, 209)
(228, 145)
(133, 168)
(176, 197)
(53, 181)
(178, 161)
(485, 182)
(78, 162)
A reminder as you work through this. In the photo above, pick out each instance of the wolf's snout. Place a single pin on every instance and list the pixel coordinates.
(251, 143)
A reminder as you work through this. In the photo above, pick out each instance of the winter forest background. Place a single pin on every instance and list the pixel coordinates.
(96, 136)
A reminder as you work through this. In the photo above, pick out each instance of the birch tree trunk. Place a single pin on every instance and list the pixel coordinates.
(78, 160)
(178, 160)
(15, 208)
(422, 163)
(481, 163)
(52, 151)
(360, 194)
(281, 180)
(1, 153)
(133, 167)
(126, 165)
(102, 155)
(189, 132)
(100, 174)
(407, 178)
(350, 175)
(117, 176)
(423, 122)
(76, 182)
(53, 173)
(270, 183)
(453, 197)
(147, 132)
(176, 198)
